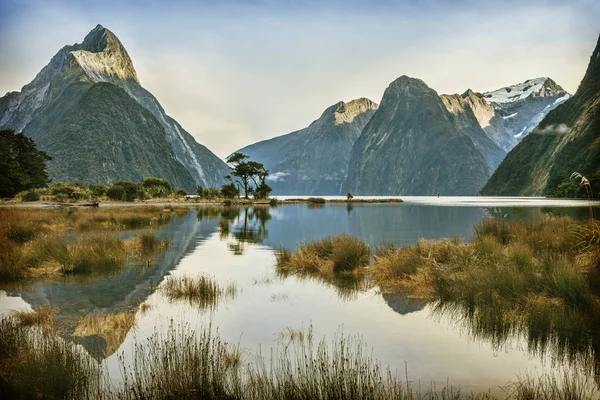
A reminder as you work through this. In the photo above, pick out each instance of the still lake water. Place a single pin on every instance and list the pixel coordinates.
(433, 347)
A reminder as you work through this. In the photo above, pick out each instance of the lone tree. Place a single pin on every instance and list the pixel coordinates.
(22, 165)
(247, 173)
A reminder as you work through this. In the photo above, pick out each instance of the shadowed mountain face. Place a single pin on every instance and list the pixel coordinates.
(314, 160)
(414, 146)
(566, 141)
(87, 109)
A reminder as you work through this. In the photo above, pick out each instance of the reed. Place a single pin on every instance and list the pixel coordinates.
(201, 291)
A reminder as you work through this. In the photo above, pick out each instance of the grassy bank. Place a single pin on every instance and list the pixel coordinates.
(35, 242)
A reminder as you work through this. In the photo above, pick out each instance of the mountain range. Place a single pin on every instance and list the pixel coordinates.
(88, 110)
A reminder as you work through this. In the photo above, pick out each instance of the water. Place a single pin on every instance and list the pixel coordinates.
(434, 347)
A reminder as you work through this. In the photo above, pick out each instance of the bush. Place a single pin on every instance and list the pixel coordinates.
(157, 187)
(211, 193)
(181, 193)
(123, 190)
(29, 195)
(61, 188)
(98, 190)
(116, 192)
(316, 200)
(230, 191)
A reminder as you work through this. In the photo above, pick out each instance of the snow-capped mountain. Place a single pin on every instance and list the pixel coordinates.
(87, 109)
(518, 109)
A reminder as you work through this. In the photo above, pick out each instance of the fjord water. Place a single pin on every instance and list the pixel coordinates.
(238, 245)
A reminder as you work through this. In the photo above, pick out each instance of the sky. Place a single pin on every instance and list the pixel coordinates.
(236, 72)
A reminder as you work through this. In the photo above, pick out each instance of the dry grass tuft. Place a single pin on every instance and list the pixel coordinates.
(202, 291)
(43, 316)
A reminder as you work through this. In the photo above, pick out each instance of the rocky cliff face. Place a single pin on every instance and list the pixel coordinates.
(463, 108)
(57, 94)
(567, 140)
(414, 146)
(314, 160)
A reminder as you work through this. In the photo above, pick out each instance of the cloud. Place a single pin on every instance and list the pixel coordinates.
(277, 177)
(553, 129)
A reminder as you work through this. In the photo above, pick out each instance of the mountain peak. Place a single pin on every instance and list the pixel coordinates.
(344, 113)
(103, 57)
(537, 87)
(405, 82)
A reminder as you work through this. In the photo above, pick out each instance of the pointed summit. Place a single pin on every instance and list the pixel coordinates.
(103, 57)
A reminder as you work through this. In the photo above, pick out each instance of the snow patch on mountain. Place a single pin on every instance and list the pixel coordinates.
(515, 92)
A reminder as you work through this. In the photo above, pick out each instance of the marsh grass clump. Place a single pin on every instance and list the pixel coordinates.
(42, 316)
(201, 291)
(331, 255)
(316, 200)
(145, 245)
(36, 364)
(95, 252)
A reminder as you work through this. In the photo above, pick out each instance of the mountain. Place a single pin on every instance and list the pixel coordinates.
(463, 107)
(567, 140)
(88, 110)
(414, 146)
(314, 160)
(516, 110)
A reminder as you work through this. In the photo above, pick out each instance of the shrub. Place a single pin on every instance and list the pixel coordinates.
(157, 187)
(29, 195)
(181, 193)
(211, 193)
(316, 200)
(98, 190)
(61, 188)
(116, 192)
(230, 191)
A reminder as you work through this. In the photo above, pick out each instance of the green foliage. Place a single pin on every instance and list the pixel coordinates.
(98, 190)
(316, 200)
(29, 195)
(61, 188)
(230, 191)
(23, 166)
(200, 190)
(211, 193)
(124, 191)
(157, 187)
(181, 193)
(115, 192)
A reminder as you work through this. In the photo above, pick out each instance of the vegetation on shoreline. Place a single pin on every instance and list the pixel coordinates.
(35, 242)
(186, 364)
(536, 279)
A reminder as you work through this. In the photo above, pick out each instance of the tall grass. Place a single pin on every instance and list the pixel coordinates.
(33, 242)
(201, 291)
(34, 364)
(43, 316)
